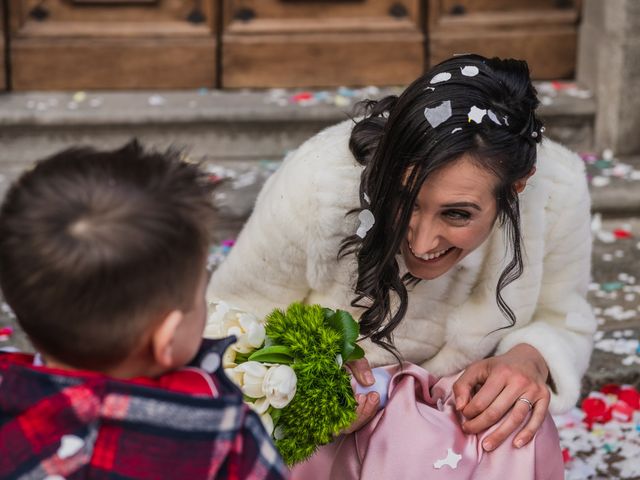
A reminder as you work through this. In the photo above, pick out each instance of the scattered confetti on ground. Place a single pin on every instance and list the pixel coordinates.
(602, 438)
(601, 169)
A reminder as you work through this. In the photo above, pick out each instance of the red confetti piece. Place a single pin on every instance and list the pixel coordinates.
(302, 96)
(6, 331)
(610, 389)
(619, 233)
(596, 411)
(621, 411)
(566, 456)
(630, 396)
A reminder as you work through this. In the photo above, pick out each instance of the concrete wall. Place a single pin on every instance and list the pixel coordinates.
(609, 64)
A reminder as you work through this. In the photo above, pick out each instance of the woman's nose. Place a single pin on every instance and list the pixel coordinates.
(425, 238)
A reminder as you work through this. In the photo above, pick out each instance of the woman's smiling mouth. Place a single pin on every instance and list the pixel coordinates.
(430, 257)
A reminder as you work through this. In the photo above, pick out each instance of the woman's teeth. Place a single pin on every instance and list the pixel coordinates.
(433, 256)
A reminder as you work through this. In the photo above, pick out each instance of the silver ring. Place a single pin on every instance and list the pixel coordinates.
(528, 402)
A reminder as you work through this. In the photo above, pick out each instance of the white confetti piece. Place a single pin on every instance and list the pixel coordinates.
(492, 116)
(156, 100)
(437, 115)
(451, 460)
(366, 222)
(366, 198)
(69, 446)
(606, 237)
(600, 181)
(607, 154)
(470, 71)
(211, 362)
(440, 77)
(457, 129)
(476, 114)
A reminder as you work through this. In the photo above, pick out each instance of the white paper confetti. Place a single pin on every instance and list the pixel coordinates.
(211, 362)
(477, 114)
(470, 71)
(458, 129)
(366, 222)
(600, 181)
(440, 77)
(69, 446)
(437, 115)
(451, 459)
(492, 116)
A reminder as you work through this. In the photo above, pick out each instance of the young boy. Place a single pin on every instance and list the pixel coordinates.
(103, 261)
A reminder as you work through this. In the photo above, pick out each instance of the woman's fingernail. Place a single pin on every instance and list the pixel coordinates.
(519, 443)
(488, 446)
(368, 377)
(359, 398)
(459, 404)
(374, 397)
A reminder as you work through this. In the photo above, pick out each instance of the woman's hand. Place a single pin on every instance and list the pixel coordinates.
(367, 404)
(501, 385)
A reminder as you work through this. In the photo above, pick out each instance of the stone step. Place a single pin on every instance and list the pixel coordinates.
(240, 128)
(219, 124)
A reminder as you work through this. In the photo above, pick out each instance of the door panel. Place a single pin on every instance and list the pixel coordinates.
(543, 32)
(267, 43)
(3, 80)
(84, 44)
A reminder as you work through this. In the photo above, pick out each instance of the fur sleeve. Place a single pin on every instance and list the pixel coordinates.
(283, 246)
(563, 324)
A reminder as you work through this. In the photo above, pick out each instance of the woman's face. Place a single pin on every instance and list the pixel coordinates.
(453, 214)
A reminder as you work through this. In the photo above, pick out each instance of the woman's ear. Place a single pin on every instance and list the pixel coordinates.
(519, 185)
(163, 339)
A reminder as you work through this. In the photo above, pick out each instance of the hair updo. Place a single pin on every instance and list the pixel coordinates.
(395, 137)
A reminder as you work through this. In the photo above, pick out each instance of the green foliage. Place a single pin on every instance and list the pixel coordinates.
(272, 354)
(324, 403)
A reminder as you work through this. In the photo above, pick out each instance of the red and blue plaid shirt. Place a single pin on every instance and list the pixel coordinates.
(188, 424)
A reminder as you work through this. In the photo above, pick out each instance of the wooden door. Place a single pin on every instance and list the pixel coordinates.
(3, 80)
(294, 43)
(112, 44)
(543, 32)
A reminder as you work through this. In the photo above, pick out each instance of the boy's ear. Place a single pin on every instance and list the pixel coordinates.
(162, 339)
(520, 184)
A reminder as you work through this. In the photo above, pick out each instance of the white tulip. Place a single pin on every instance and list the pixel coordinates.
(267, 421)
(236, 377)
(279, 385)
(224, 321)
(229, 358)
(215, 320)
(253, 374)
(260, 406)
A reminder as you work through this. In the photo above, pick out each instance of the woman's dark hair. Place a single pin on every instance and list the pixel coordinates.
(399, 149)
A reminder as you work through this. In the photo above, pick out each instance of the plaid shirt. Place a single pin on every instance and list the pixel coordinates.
(185, 425)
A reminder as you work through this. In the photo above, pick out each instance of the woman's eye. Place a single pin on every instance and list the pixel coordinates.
(457, 215)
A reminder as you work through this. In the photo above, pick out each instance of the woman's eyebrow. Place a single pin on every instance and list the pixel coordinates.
(462, 205)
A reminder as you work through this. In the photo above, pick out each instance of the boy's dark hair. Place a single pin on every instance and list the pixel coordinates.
(97, 245)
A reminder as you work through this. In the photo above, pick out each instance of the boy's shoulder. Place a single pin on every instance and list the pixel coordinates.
(87, 422)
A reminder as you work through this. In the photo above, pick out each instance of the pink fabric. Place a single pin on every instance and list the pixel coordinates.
(414, 431)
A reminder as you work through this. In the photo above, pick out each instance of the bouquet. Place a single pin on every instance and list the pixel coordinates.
(289, 368)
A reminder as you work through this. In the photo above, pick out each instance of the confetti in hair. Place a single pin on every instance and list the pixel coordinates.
(438, 115)
(440, 77)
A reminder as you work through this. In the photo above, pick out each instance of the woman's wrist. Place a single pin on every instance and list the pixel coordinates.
(536, 357)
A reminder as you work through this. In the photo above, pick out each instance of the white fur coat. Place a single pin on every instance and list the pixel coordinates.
(287, 252)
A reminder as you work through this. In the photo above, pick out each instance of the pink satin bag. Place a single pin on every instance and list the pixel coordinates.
(417, 435)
